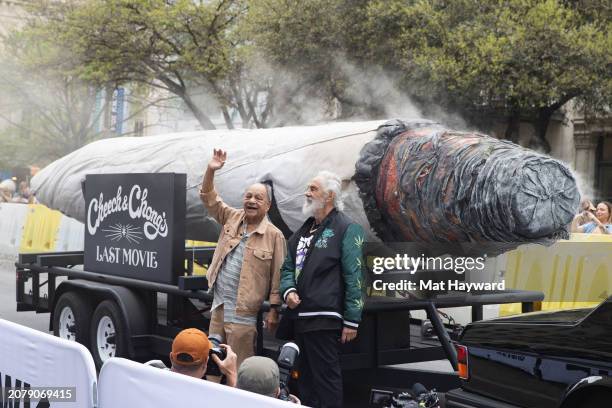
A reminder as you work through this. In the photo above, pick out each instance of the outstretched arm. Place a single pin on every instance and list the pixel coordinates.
(577, 223)
(214, 204)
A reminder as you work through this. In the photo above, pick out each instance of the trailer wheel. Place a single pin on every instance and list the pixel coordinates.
(108, 335)
(595, 399)
(71, 318)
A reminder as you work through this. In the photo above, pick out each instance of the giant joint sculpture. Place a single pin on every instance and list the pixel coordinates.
(404, 180)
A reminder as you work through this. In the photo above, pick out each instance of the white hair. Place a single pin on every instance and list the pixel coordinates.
(332, 182)
(268, 191)
(8, 185)
(266, 186)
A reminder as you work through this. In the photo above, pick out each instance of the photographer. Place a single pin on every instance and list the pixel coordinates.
(190, 354)
(593, 220)
(261, 376)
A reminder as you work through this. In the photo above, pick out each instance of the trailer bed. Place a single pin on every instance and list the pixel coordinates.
(388, 335)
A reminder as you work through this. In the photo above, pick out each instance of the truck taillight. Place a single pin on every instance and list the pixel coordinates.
(462, 361)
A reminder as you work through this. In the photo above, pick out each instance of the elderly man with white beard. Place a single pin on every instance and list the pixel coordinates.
(321, 282)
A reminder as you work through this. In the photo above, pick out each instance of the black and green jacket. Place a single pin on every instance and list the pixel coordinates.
(330, 283)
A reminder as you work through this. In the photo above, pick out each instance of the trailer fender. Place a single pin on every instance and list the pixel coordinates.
(133, 308)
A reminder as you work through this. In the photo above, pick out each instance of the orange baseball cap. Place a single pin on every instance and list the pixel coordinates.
(190, 347)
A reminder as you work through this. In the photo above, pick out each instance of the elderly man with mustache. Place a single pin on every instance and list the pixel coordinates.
(321, 282)
(245, 269)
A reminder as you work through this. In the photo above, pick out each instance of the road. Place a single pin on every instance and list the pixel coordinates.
(8, 305)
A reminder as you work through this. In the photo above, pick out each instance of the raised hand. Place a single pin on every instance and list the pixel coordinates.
(218, 159)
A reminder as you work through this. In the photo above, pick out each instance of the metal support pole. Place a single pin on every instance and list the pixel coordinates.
(443, 336)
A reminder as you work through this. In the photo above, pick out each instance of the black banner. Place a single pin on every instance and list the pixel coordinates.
(135, 225)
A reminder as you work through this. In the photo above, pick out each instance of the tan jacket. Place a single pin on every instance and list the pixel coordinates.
(264, 254)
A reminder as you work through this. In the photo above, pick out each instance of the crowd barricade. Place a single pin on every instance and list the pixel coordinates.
(36, 228)
(126, 384)
(570, 274)
(40, 229)
(12, 219)
(38, 363)
(70, 235)
(198, 269)
(30, 228)
(30, 359)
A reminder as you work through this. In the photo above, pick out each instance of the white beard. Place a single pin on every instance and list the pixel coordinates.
(310, 207)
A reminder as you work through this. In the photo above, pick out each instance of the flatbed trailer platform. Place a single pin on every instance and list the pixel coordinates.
(388, 335)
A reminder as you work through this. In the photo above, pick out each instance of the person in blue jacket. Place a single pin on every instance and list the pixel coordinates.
(597, 222)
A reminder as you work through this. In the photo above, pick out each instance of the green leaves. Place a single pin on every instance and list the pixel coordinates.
(47, 109)
(177, 46)
(276, 61)
(494, 56)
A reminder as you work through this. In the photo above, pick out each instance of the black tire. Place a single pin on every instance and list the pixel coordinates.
(78, 309)
(108, 311)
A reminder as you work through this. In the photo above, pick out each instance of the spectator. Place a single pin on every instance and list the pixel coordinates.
(189, 356)
(598, 221)
(586, 206)
(7, 189)
(24, 196)
(261, 376)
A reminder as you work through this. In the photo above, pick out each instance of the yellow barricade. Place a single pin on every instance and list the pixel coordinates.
(570, 275)
(198, 269)
(40, 229)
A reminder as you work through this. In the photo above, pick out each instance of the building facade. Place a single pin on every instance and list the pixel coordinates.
(583, 143)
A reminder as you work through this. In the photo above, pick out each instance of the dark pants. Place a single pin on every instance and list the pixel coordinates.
(320, 381)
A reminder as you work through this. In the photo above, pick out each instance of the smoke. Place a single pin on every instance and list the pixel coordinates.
(587, 191)
(381, 89)
(46, 111)
(345, 91)
(377, 89)
(291, 97)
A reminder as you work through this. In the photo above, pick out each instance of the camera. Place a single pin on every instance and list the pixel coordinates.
(417, 397)
(287, 356)
(211, 367)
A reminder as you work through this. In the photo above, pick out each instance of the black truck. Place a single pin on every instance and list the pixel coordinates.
(559, 359)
